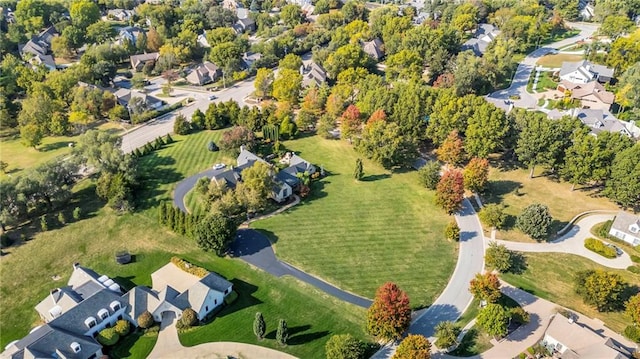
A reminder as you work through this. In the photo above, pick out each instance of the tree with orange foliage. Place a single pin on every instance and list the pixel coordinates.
(476, 174)
(390, 315)
(450, 191)
(350, 122)
(452, 149)
(377, 115)
(486, 287)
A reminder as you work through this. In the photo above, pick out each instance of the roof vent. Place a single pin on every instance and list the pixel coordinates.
(75, 346)
(102, 278)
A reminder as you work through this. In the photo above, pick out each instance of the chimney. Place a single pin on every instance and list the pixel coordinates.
(76, 265)
(241, 148)
(53, 294)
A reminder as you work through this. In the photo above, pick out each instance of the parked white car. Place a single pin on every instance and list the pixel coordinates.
(219, 166)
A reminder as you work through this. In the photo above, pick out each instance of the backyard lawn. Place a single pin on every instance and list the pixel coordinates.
(555, 61)
(516, 190)
(551, 276)
(358, 235)
(95, 238)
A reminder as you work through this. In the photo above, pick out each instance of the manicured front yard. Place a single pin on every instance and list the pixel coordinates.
(551, 276)
(516, 190)
(27, 269)
(555, 61)
(358, 235)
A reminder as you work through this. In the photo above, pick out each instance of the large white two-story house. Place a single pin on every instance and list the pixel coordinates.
(626, 226)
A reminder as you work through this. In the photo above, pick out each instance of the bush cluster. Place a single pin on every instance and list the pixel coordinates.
(154, 145)
(122, 327)
(632, 333)
(145, 320)
(189, 268)
(149, 115)
(599, 247)
(108, 337)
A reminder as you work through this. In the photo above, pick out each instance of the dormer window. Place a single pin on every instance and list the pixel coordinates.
(599, 124)
(115, 306)
(634, 228)
(103, 314)
(90, 322)
(75, 347)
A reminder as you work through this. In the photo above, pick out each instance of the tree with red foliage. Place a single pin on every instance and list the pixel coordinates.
(444, 81)
(390, 315)
(377, 115)
(452, 149)
(350, 122)
(450, 191)
(476, 174)
(486, 287)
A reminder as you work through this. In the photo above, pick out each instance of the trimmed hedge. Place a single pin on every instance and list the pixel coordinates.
(108, 337)
(189, 268)
(150, 115)
(122, 327)
(596, 245)
(635, 258)
(231, 297)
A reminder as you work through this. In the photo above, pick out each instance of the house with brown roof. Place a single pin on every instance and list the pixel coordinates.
(37, 50)
(374, 48)
(138, 61)
(313, 74)
(204, 73)
(591, 95)
(568, 339)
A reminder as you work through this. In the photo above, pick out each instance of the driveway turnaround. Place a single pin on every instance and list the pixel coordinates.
(168, 341)
(187, 184)
(255, 248)
(573, 243)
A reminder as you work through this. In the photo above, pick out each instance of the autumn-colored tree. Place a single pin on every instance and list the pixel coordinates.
(452, 149)
(486, 287)
(350, 122)
(476, 174)
(632, 309)
(450, 191)
(389, 315)
(377, 115)
(335, 105)
(494, 319)
(414, 346)
(445, 81)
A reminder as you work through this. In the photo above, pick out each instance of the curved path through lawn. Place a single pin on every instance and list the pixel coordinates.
(573, 243)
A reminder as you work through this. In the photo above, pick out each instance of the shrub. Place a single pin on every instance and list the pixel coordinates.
(452, 231)
(189, 268)
(122, 327)
(519, 315)
(602, 229)
(429, 174)
(635, 258)
(599, 247)
(231, 297)
(447, 334)
(632, 333)
(181, 126)
(189, 318)
(169, 139)
(498, 257)
(108, 337)
(634, 269)
(43, 223)
(61, 218)
(493, 215)
(535, 221)
(77, 213)
(145, 320)
(344, 346)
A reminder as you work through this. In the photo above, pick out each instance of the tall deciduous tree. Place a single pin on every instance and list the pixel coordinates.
(476, 174)
(498, 257)
(632, 309)
(263, 82)
(350, 122)
(84, 13)
(452, 149)
(390, 315)
(486, 287)
(628, 94)
(414, 346)
(214, 233)
(450, 191)
(429, 174)
(623, 186)
(603, 290)
(344, 346)
(494, 319)
(385, 143)
(287, 86)
(535, 138)
(535, 221)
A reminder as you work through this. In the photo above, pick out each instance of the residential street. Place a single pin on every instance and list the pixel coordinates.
(519, 83)
(163, 125)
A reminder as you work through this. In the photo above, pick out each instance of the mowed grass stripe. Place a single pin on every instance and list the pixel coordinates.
(358, 235)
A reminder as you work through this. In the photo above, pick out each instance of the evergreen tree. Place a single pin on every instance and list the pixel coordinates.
(359, 170)
(169, 139)
(259, 326)
(282, 334)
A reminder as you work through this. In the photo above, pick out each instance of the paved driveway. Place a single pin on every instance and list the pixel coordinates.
(168, 341)
(573, 243)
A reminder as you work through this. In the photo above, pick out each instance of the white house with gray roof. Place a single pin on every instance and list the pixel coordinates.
(584, 71)
(482, 37)
(626, 226)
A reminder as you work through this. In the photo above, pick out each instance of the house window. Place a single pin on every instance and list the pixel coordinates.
(93, 356)
(90, 322)
(215, 301)
(103, 314)
(226, 291)
(206, 308)
(115, 306)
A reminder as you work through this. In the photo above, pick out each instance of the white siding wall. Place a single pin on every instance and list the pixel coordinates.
(111, 319)
(213, 300)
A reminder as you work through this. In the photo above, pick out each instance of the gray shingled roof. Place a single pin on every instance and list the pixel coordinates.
(73, 320)
(46, 340)
(216, 282)
(623, 221)
(140, 299)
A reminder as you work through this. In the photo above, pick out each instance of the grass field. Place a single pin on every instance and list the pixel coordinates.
(20, 157)
(94, 240)
(555, 61)
(551, 276)
(358, 235)
(516, 190)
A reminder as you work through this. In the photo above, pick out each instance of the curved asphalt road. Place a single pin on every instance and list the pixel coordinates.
(255, 248)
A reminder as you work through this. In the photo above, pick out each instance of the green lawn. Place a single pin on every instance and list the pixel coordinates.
(358, 235)
(27, 270)
(545, 82)
(551, 276)
(476, 341)
(516, 190)
(134, 345)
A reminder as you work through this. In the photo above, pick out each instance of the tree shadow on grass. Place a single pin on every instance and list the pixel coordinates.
(373, 178)
(497, 190)
(53, 146)
(467, 345)
(245, 298)
(156, 171)
(307, 337)
(292, 331)
(125, 282)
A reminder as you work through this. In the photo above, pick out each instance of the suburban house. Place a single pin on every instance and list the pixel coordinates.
(174, 290)
(130, 34)
(120, 14)
(584, 71)
(73, 315)
(587, 11)
(37, 50)
(244, 25)
(591, 95)
(313, 74)
(202, 40)
(567, 339)
(204, 73)
(124, 97)
(138, 61)
(482, 37)
(285, 180)
(601, 120)
(249, 58)
(626, 226)
(374, 48)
